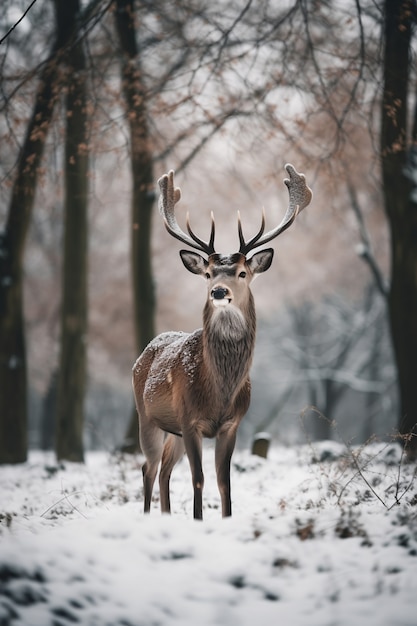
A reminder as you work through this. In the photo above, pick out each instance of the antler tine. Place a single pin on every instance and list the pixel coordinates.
(299, 192)
(299, 197)
(245, 247)
(206, 247)
(170, 195)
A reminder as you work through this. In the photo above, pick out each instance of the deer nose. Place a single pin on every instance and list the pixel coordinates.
(219, 293)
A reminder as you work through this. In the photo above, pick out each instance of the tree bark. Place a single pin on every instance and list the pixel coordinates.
(401, 209)
(72, 364)
(134, 92)
(13, 369)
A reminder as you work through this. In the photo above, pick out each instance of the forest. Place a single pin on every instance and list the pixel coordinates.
(98, 99)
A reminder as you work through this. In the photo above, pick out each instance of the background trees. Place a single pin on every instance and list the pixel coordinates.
(398, 157)
(237, 91)
(141, 159)
(13, 378)
(72, 363)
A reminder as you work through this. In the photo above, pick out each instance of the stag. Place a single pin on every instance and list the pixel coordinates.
(190, 386)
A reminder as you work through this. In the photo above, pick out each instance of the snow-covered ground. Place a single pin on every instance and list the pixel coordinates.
(319, 536)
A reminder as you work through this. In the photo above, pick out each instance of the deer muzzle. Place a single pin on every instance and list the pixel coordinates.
(220, 296)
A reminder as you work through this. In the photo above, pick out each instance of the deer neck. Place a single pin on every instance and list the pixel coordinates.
(228, 343)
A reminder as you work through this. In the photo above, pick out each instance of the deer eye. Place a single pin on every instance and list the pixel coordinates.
(242, 275)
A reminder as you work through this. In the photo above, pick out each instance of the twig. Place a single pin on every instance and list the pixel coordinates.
(11, 29)
(365, 251)
(66, 497)
(361, 474)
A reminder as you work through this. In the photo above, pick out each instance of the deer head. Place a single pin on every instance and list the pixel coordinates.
(218, 269)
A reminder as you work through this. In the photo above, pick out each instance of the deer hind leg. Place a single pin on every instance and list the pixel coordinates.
(173, 451)
(152, 443)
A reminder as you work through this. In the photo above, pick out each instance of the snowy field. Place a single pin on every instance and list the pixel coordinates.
(320, 536)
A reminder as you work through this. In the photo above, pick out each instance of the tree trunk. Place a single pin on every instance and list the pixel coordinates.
(13, 370)
(401, 211)
(48, 415)
(72, 365)
(142, 194)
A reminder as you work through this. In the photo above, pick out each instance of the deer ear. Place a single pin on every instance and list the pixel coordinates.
(194, 262)
(261, 261)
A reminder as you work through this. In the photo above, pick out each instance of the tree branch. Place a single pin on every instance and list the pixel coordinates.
(365, 249)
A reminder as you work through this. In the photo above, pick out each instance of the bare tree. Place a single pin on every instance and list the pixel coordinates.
(245, 70)
(72, 366)
(336, 348)
(13, 369)
(51, 78)
(332, 359)
(141, 159)
(399, 167)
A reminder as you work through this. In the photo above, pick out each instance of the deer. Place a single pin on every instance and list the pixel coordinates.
(189, 386)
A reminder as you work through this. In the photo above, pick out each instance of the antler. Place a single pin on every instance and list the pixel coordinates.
(300, 196)
(170, 195)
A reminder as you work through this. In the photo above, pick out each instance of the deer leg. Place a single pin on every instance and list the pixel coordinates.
(192, 442)
(152, 442)
(225, 445)
(173, 451)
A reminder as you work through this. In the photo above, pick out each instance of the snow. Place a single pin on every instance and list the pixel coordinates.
(323, 535)
(168, 347)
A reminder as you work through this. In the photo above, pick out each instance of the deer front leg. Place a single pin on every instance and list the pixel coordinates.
(225, 445)
(173, 451)
(192, 442)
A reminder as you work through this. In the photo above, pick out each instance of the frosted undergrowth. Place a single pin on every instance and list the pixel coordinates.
(323, 535)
